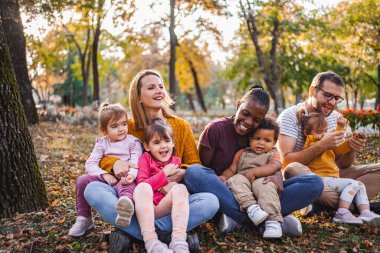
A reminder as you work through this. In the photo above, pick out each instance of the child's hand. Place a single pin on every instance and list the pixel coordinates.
(341, 123)
(223, 178)
(110, 179)
(166, 189)
(170, 169)
(120, 168)
(127, 180)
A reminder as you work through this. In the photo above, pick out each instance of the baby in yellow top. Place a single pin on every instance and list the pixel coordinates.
(314, 126)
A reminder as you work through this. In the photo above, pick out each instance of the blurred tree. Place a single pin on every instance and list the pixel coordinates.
(14, 36)
(21, 186)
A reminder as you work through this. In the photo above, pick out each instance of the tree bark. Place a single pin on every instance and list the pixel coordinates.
(14, 37)
(95, 44)
(191, 103)
(197, 85)
(271, 73)
(377, 103)
(21, 186)
(173, 45)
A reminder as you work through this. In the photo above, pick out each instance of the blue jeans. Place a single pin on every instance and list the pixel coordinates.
(103, 197)
(299, 191)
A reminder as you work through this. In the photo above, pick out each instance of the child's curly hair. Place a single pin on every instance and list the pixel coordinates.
(269, 124)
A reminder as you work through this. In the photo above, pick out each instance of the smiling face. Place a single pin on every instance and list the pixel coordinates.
(152, 92)
(320, 103)
(248, 116)
(117, 130)
(262, 141)
(319, 133)
(160, 148)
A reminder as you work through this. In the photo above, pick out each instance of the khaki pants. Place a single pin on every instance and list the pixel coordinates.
(247, 194)
(369, 175)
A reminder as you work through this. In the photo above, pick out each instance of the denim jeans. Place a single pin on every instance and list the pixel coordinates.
(103, 198)
(299, 191)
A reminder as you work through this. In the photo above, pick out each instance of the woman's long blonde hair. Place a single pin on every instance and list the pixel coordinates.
(139, 118)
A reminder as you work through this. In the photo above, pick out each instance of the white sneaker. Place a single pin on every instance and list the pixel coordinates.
(81, 225)
(256, 214)
(306, 210)
(227, 224)
(370, 218)
(291, 226)
(125, 210)
(272, 230)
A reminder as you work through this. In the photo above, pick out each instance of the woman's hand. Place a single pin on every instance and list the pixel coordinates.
(170, 169)
(277, 180)
(166, 189)
(223, 178)
(110, 179)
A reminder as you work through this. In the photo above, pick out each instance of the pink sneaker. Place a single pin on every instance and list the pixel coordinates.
(179, 246)
(370, 218)
(82, 224)
(156, 246)
(125, 210)
(346, 217)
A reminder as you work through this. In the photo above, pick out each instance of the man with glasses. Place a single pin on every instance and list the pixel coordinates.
(325, 93)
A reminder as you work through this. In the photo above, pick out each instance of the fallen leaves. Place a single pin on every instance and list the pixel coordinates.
(62, 150)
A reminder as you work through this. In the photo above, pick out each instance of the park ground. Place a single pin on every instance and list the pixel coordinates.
(62, 148)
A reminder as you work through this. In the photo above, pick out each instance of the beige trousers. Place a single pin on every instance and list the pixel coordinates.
(247, 194)
(368, 174)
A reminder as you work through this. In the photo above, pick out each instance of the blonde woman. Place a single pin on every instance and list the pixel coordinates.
(148, 100)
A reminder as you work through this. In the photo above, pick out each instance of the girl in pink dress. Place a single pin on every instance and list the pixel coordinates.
(155, 196)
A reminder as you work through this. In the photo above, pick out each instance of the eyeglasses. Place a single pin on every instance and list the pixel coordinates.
(328, 96)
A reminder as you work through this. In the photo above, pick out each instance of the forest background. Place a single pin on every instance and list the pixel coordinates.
(60, 59)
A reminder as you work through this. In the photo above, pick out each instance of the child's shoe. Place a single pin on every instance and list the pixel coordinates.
(81, 225)
(227, 224)
(125, 209)
(156, 246)
(256, 214)
(179, 246)
(370, 218)
(273, 230)
(345, 216)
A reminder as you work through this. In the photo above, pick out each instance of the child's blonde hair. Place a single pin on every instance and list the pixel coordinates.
(311, 121)
(109, 112)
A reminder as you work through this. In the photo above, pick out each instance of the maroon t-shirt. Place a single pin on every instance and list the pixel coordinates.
(220, 136)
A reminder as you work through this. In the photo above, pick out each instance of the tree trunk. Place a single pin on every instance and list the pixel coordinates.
(191, 103)
(377, 103)
(95, 72)
(271, 73)
(197, 86)
(347, 99)
(21, 186)
(173, 45)
(95, 44)
(14, 37)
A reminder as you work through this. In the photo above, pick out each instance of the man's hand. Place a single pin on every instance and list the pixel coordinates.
(110, 179)
(170, 169)
(331, 140)
(127, 180)
(177, 177)
(277, 180)
(223, 178)
(166, 189)
(357, 141)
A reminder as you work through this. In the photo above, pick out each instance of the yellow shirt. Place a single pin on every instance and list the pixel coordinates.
(324, 165)
(185, 146)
